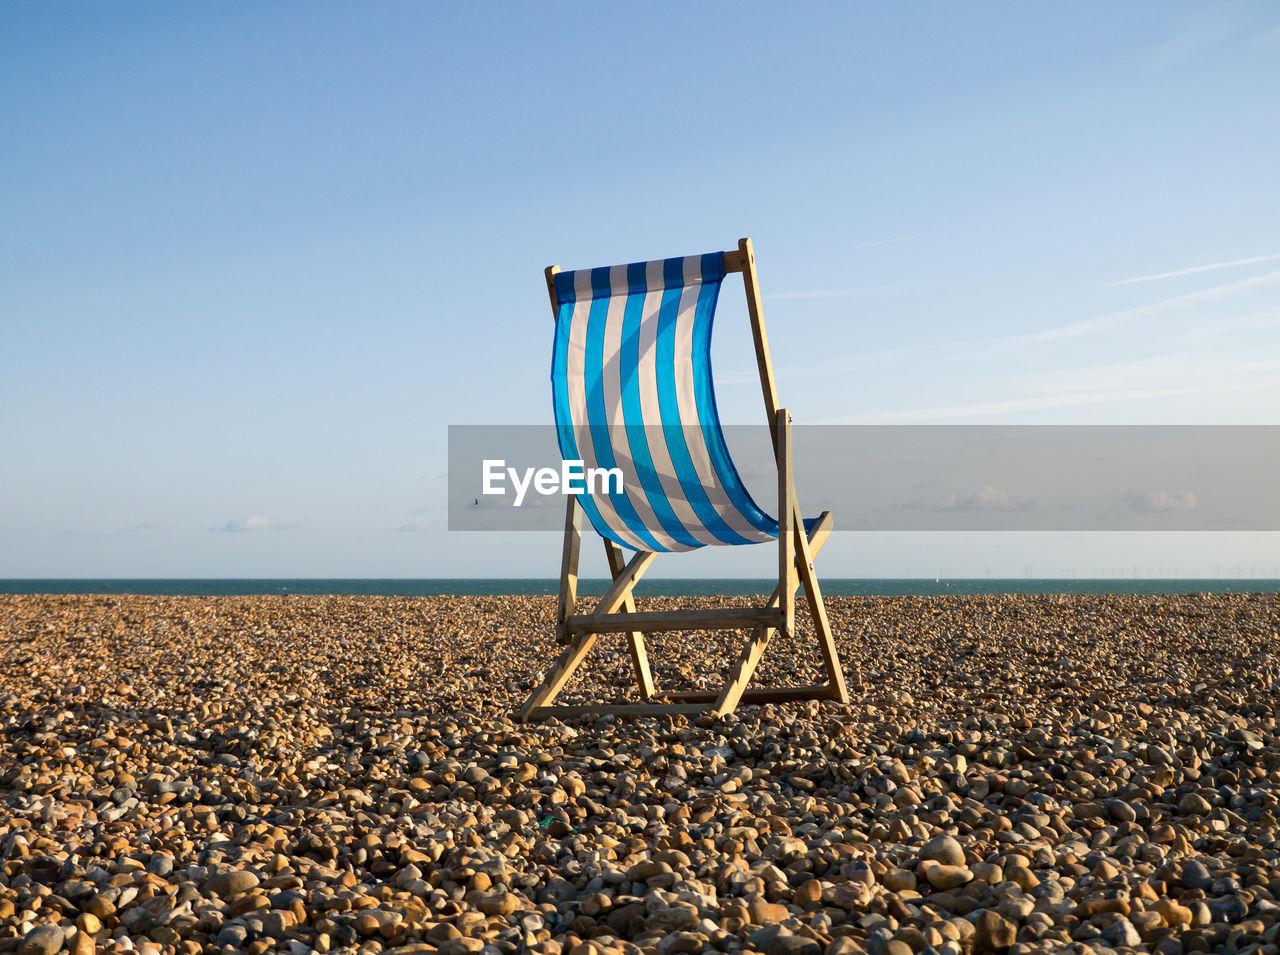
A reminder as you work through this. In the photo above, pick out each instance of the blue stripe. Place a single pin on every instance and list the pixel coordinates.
(564, 421)
(668, 404)
(597, 417)
(566, 285)
(708, 415)
(633, 414)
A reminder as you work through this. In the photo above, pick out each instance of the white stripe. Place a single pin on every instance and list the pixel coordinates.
(575, 380)
(695, 440)
(611, 375)
(652, 413)
(650, 407)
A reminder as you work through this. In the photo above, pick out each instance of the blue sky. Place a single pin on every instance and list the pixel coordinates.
(255, 258)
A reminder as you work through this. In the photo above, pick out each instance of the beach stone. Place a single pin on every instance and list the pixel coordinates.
(1119, 810)
(499, 903)
(898, 880)
(1022, 877)
(947, 876)
(1195, 875)
(992, 931)
(860, 873)
(851, 896)
(673, 918)
(88, 922)
(227, 884)
(791, 945)
(808, 894)
(233, 934)
(988, 872)
(1193, 804)
(1122, 932)
(1229, 909)
(1172, 913)
(160, 865)
(42, 940)
(778, 940)
(843, 945)
(684, 942)
(462, 946)
(766, 913)
(442, 932)
(943, 849)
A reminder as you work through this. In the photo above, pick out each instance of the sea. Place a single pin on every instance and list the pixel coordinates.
(658, 587)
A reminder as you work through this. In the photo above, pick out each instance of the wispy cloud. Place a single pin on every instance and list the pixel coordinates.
(986, 498)
(420, 525)
(1196, 269)
(1158, 502)
(1049, 402)
(256, 522)
(872, 245)
(1210, 25)
(1099, 322)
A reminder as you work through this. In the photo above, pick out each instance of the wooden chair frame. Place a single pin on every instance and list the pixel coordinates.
(616, 612)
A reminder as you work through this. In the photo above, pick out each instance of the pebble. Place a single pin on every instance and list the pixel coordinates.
(345, 774)
(943, 849)
(42, 940)
(992, 931)
(947, 876)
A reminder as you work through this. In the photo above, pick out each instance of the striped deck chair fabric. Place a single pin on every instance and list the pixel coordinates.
(632, 386)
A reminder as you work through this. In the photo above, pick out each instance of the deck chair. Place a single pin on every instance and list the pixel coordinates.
(631, 380)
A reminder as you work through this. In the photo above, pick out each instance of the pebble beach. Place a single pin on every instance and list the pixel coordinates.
(345, 774)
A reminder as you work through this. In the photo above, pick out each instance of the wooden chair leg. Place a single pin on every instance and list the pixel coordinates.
(742, 671)
(816, 538)
(559, 674)
(818, 610)
(568, 601)
(635, 639)
(786, 517)
(565, 606)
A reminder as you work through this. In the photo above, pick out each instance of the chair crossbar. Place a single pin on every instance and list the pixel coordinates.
(762, 694)
(658, 621)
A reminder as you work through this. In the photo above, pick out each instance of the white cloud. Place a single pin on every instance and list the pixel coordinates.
(1207, 26)
(1047, 402)
(1099, 322)
(1196, 269)
(254, 522)
(420, 525)
(986, 498)
(1156, 502)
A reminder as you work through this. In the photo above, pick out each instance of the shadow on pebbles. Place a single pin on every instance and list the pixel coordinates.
(298, 774)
